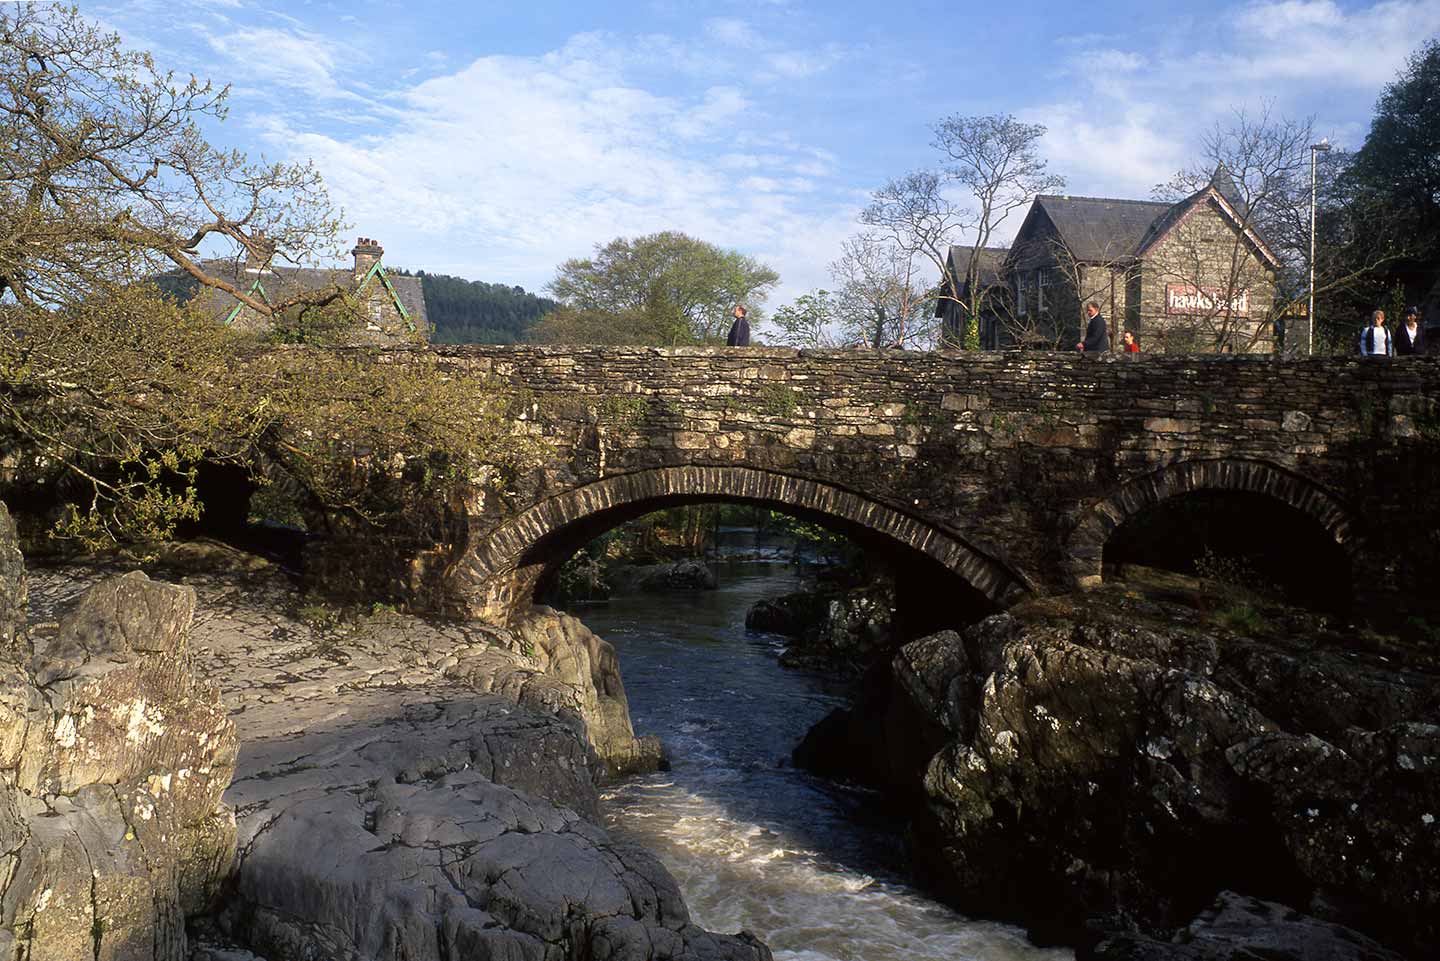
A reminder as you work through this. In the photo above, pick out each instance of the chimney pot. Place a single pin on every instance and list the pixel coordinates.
(366, 253)
(259, 251)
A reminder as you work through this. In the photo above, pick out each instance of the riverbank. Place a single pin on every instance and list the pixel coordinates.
(1102, 767)
(404, 788)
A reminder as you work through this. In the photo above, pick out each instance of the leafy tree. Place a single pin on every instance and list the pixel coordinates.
(105, 176)
(665, 288)
(1401, 156)
(1389, 199)
(112, 394)
(810, 320)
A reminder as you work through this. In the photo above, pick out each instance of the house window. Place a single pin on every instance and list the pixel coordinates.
(1020, 305)
(1040, 281)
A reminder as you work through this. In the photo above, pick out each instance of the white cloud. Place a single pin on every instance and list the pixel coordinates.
(1139, 113)
(732, 31)
(290, 58)
(508, 166)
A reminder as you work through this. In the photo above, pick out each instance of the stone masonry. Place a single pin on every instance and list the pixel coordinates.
(1010, 469)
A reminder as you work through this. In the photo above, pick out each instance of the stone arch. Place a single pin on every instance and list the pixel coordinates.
(502, 567)
(1086, 547)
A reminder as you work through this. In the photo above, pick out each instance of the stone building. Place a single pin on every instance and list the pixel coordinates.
(1192, 276)
(394, 307)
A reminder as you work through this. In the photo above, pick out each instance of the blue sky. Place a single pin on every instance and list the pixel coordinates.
(494, 140)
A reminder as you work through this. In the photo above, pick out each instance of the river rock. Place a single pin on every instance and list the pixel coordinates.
(1107, 762)
(844, 630)
(682, 575)
(427, 790)
(568, 651)
(114, 758)
(796, 615)
(1237, 928)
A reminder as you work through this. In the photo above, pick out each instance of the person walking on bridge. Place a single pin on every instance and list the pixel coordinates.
(1410, 336)
(1097, 333)
(740, 330)
(1375, 340)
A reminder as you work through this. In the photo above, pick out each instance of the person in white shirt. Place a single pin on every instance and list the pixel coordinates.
(1375, 339)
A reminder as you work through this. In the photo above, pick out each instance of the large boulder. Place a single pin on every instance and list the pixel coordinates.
(114, 758)
(682, 575)
(449, 829)
(1103, 763)
(580, 678)
(1237, 928)
(798, 614)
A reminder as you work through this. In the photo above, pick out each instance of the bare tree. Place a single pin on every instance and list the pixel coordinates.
(1260, 163)
(994, 162)
(880, 301)
(112, 394)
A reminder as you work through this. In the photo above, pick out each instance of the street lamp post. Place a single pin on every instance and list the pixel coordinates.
(1315, 148)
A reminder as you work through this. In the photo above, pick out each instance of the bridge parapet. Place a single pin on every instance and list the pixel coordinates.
(1025, 461)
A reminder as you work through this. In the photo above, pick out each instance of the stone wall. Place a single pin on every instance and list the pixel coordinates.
(1009, 468)
(1204, 250)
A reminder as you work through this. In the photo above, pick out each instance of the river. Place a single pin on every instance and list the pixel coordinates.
(808, 866)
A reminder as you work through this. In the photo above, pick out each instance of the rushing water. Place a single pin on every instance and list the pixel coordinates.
(756, 844)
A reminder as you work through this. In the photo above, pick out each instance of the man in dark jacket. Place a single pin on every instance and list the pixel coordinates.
(1410, 336)
(740, 330)
(1097, 332)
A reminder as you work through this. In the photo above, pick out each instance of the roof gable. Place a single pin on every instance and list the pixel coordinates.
(278, 284)
(1211, 193)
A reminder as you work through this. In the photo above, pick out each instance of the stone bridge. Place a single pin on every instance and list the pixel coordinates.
(1009, 470)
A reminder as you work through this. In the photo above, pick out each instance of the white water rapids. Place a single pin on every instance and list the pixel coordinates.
(809, 867)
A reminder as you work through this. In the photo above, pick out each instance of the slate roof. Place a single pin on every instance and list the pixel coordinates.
(1105, 229)
(284, 283)
(991, 259)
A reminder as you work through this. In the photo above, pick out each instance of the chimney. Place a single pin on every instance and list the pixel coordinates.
(367, 252)
(259, 251)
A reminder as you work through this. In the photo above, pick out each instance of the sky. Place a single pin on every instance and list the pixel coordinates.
(494, 140)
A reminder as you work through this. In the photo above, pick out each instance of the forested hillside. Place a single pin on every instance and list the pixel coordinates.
(474, 312)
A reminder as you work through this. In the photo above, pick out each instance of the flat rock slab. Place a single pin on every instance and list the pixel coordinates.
(413, 790)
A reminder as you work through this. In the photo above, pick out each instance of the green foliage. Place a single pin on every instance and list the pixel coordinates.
(817, 540)
(1227, 572)
(661, 289)
(625, 410)
(273, 503)
(1241, 618)
(319, 616)
(777, 400)
(1398, 158)
(655, 326)
(1378, 221)
(113, 403)
(808, 321)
